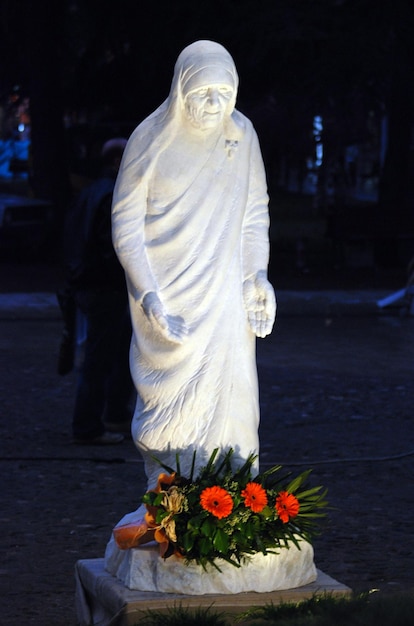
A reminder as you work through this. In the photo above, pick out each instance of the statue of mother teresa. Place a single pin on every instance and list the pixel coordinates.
(190, 227)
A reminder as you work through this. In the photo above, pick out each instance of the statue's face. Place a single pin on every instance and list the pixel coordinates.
(206, 106)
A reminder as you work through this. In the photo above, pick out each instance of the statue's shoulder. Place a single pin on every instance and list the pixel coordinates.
(142, 139)
(240, 120)
(143, 130)
(243, 124)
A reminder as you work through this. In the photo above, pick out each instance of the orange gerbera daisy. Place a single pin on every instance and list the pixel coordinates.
(287, 506)
(217, 501)
(255, 497)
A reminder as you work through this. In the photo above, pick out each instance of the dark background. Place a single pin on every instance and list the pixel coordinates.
(336, 392)
(95, 68)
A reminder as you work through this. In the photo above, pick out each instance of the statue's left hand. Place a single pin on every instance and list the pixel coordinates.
(260, 304)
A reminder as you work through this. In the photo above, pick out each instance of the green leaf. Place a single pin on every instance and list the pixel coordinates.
(158, 499)
(297, 482)
(207, 527)
(226, 462)
(264, 475)
(177, 462)
(312, 515)
(148, 498)
(161, 513)
(221, 540)
(170, 470)
(248, 530)
(230, 560)
(195, 522)
(187, 541)
(205, 546)
(308, 492)
(267, 512)
(260, 545)
(244, 471)
(211, 460)
(192, 466)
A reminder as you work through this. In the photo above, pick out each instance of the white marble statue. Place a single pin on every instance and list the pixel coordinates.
(190, 227)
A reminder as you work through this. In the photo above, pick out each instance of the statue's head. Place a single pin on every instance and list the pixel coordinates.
(205, 83)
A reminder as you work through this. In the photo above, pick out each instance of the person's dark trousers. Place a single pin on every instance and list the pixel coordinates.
(105, 385)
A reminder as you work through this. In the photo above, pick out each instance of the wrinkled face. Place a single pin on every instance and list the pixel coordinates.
(206, 106)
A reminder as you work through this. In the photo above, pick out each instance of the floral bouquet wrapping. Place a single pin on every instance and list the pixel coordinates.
(226, 514)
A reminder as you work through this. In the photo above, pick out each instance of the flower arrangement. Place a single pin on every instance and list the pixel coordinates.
(226, 514)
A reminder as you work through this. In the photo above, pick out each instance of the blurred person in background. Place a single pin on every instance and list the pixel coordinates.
(96, 280)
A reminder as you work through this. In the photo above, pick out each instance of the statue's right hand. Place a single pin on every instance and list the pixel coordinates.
(172, 328)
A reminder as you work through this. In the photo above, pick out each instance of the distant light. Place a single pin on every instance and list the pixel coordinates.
(317, 135)
(21, 128)
(319, 154)
(317, 125)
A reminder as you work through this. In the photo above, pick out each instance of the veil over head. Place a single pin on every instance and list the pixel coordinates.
(158, 129)
(210, 59)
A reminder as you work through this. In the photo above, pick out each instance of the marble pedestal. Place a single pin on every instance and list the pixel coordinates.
(142, 569)
(102, 600)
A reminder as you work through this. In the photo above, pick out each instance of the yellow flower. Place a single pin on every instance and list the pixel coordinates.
(173, 503)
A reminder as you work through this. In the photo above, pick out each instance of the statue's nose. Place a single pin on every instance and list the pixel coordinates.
(213, 97)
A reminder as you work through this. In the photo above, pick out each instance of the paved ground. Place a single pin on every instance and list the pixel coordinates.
(336, 395)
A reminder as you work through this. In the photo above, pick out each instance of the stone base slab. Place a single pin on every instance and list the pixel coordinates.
(102, 600)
